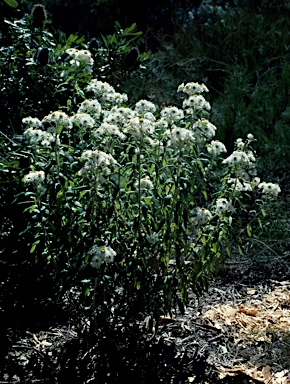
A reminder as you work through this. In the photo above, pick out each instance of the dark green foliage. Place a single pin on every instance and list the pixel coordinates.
(36, 78)
(93, 17)
(31, 66)
(240, 50)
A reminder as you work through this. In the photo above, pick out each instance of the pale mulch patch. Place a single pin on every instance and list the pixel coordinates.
(258, 320)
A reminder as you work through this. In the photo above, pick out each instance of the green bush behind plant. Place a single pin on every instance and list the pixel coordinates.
(37, 78)
(241, 51)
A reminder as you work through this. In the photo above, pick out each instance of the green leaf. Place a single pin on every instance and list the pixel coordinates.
(34, 246)
(11, 3)
(215, 247)
(82, 193)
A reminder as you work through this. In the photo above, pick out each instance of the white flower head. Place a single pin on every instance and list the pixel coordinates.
(202, 216)
(100, 255)
(119, 115)
(269, 189)
(161, 124)
(83, 120)
(172, 114)
(149, 116)
(32, 122)
(240, 185)
(35, 177)
(179, 136)
(36, 136)
(251, 156)
(240, 144)
(153, 143)
(250, 136)
(145, 183)
(81, 57)
(104, 92)
(242, 174)
(192, 88)
(57, 119)
(204, 128)
(237, 157)
(107, 129)
(84, 56)
(216, 147)
(256, 181)
(196, 103)
(100, 87)
(144, 106)
(92, 107)
(115, 98)
(138, 127)
(97, 161)
(223, 205)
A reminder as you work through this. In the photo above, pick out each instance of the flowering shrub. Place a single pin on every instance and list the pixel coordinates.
(134, 206)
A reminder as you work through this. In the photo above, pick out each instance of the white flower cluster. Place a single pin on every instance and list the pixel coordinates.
(56, 120)
(172, 114)
(192, 88)
(118, 115)
(244, 183)
(35, 177)
(243, 162)
(92, 107)
(240, 144)
(104, 92)
(241, 185)
(202, 215)
(223, 205)
(269, 189)
(139, 127)
(203, 130)
(145, 183)
(216, 147)
(195, 103)
(240, 157)
(177, 127)
(83, 120)
(32, 122)
(97, 161)
(161, 124)
(81, 57)
(179, 136)
(100, 88)
(37, 136)
(108, 129)
(144, 106)
(101, 255)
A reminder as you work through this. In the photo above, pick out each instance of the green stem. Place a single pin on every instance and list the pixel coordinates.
(56, 151)
(139, 202)
(46, 237)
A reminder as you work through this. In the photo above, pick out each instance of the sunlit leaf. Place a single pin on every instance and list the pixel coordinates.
(11, 3)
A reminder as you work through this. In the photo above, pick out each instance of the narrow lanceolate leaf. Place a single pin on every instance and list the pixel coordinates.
(11, 3)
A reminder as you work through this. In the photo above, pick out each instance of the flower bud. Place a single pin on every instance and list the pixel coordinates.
(39, 15)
